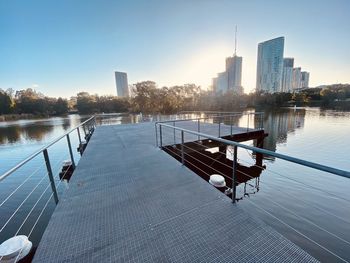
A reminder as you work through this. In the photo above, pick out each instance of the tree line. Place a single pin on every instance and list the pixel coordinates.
(148, 98)
(30, 101)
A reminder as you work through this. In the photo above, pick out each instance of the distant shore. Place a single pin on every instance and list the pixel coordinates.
(23, 116)
(340, 106)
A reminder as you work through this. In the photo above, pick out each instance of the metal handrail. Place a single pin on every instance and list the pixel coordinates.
(213, 116)
(33, 155)
(314, 165)
(198, 119)
(210, 112)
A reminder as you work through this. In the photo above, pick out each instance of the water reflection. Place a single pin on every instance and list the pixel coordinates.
(281, 123)
(277, 124)
(66, 124)
(35, 130)
(10, 134)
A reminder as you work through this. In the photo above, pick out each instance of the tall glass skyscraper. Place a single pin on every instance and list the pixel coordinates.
(270, 65)
(121, 80)
(296, 78)
(305, 79)
(287, 77)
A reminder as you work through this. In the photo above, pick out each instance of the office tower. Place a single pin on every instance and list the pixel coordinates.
(305, 79)
(270, 65)
(222, 82)
(234, 72)
(121, 80)
(296, 78)
(287, 77)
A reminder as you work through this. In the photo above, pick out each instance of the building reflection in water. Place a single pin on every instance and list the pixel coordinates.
(278, 125)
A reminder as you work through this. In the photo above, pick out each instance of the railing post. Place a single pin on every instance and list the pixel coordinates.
(248, 121)
(234, 171)
(49, 172)
(84, 129)
(231, 124)
(70, 151)
(155, 127)
(199, 129)
(182, 148)
(160, 136)
(219, 126)
(174, 133)
(79, 135)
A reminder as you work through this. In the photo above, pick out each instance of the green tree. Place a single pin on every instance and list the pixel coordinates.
(60, 106)
(146, 97)
(5, 103)
(86, 103)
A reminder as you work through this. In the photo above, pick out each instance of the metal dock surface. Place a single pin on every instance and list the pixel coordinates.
(128, 201)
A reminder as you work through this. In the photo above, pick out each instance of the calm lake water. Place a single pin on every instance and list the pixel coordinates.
(290, 197)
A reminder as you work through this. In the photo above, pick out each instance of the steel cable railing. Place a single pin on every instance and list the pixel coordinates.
(19, 214)
(36, 203)
(32, 156)
(302, 183)
(291, 159)
(26, 180)
(43, 209)
(219, 119)
(26, 198)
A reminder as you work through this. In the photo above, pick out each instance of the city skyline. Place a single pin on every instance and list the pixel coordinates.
(276, 73)
(69, 47)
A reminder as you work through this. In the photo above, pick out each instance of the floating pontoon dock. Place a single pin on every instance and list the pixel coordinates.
(129, 201)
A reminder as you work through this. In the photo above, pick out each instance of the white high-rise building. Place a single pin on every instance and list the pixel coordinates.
(121, 80)
(270, 65)
(287, 77)
(296, 78)
(305, 79)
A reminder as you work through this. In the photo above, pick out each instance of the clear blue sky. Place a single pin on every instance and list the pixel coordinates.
(63, 47)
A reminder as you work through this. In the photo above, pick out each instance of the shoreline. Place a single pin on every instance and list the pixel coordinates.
(24, 116)
(30, 116)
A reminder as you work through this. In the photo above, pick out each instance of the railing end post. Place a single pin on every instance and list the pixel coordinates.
(234, 175)
(49, 172)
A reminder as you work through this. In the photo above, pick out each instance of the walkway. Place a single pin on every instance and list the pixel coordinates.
(128, 201)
